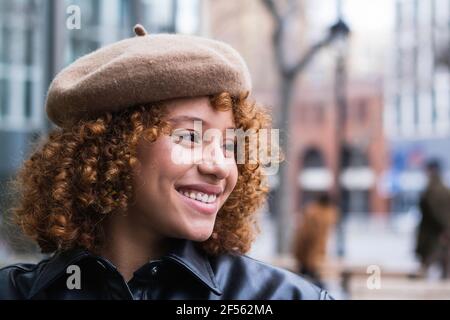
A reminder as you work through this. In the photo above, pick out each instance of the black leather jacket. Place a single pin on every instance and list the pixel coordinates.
(186, 272)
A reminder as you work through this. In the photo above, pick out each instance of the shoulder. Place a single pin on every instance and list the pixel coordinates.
(17, 280)
(253, 279)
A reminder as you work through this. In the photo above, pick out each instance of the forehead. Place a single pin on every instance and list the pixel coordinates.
(198, 109)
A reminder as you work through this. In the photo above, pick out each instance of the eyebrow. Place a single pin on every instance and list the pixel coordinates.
(185, 118)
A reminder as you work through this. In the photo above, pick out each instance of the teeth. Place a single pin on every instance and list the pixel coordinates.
(200, 196)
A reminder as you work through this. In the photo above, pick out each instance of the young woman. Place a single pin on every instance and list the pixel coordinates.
(129, 196)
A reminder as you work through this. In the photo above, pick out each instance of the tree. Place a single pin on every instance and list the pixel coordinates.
(288, 74)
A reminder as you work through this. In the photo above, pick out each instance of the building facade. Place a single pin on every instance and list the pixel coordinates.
(417, 119)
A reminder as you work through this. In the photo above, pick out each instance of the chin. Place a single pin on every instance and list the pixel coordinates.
(199, 235)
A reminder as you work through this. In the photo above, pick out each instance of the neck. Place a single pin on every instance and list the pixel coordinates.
(129, 246)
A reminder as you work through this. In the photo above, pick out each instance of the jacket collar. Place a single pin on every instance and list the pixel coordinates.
(185, 253)
(55, 267)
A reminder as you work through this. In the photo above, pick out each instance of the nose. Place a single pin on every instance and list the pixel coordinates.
(213, 161)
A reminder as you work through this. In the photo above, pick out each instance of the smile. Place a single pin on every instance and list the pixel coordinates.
(198, 196)
(205, 203)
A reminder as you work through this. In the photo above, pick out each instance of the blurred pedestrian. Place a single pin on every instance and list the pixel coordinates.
(315, 225)
(433, 232)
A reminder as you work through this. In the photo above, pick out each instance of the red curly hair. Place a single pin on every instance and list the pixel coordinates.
(82, 175)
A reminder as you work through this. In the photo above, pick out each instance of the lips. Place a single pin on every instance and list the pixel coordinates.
(202, 187)
(202, 198)
(202, 207)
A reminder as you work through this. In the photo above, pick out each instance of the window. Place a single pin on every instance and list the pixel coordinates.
(22, 60)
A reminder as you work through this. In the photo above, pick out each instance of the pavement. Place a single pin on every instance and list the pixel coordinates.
(379, 259)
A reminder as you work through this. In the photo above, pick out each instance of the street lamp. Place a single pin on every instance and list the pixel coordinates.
(340, 32)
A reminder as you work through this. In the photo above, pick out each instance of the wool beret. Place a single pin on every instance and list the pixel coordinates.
(143, 69)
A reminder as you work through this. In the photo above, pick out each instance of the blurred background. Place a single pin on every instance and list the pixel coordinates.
(359, 89)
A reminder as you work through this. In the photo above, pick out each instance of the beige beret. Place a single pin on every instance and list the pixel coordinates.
(144, 69)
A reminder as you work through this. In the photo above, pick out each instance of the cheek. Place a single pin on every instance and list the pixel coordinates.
(159, 170)
(156, 158)
(232, 179)
(167, 168)
(235, 175)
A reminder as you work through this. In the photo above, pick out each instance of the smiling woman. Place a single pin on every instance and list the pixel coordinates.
(105, 195)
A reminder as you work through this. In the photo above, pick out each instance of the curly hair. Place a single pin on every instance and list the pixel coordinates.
(81, 175)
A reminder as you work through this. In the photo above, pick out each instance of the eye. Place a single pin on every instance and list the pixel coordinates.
(229, 146)
(188, 137)
(230, 149)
